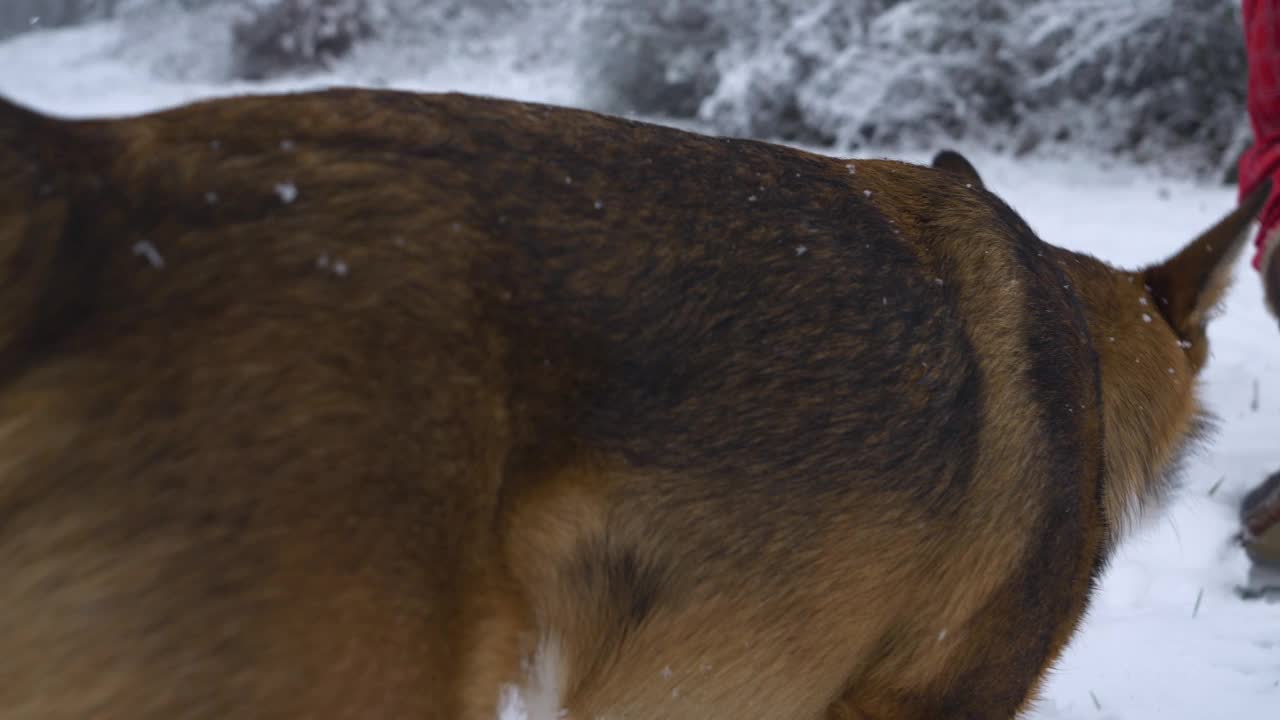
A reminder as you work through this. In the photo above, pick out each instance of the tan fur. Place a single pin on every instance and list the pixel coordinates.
(372, 404)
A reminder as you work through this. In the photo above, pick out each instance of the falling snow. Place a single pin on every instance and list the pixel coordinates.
(1140, 654)
(287, 192)
(147, 250)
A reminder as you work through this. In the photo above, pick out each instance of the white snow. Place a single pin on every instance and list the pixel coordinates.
(1166, 639)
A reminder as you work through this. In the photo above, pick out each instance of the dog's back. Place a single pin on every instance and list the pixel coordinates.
(349, 403)
(225, 468)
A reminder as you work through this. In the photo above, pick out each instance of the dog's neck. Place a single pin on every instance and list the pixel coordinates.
(1150, 412)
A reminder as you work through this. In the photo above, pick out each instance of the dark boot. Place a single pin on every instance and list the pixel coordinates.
(1260, 516)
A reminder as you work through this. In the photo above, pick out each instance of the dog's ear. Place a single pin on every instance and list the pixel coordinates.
(955, 163)
(1189, 285)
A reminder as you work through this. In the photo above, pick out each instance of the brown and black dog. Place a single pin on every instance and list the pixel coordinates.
(368, 404)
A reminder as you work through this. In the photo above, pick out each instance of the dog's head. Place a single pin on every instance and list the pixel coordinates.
(1149, 330)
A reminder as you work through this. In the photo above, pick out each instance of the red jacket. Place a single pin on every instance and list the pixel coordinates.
(1262, 45)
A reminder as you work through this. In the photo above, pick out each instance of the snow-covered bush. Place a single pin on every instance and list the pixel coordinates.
(281, 36)
(738, 64)
(19, 15)
(919, 71)
(1153, 80)
(1143, 79)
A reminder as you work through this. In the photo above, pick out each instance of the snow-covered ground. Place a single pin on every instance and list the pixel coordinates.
(1167, 638)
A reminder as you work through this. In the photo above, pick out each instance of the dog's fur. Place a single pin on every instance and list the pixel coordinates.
(356, 404)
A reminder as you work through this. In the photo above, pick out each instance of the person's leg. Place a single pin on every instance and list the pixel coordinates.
(1270, 269)
(1262, 159)
(1260, 509)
